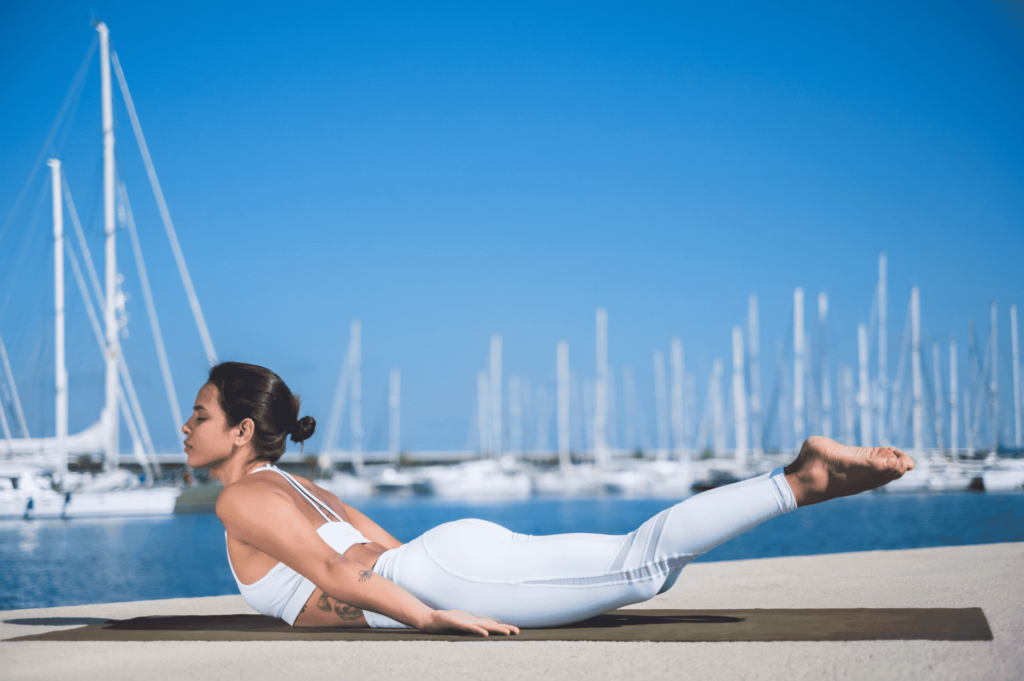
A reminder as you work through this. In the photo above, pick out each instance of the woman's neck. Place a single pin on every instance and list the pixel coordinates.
(235, 467)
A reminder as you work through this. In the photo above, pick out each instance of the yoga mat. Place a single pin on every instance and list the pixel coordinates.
(855, 624)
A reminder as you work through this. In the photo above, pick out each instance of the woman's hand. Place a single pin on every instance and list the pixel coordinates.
(445, 621)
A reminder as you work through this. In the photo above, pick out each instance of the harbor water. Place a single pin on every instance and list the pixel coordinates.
(68, 562)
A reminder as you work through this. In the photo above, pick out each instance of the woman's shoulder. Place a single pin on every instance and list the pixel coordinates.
(252, 492)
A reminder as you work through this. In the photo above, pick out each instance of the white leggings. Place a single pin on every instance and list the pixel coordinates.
(527, 581)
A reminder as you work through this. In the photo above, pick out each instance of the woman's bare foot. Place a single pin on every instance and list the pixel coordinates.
(826, 469)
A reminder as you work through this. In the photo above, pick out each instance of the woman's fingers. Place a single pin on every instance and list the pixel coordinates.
(499, 628)
(448, 620)
(485, 626)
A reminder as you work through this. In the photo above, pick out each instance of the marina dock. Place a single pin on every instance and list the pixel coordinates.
(985, 576)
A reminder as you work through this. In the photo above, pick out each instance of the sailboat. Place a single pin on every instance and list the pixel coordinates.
(35, 481)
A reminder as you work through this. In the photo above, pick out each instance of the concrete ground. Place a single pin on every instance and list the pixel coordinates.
(989, 576)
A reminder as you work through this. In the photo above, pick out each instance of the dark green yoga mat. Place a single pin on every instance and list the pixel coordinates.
(854, 624)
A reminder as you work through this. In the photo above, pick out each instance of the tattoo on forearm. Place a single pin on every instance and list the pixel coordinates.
(365, 575)
(342, 610)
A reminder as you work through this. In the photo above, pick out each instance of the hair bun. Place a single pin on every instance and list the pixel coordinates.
(303, 429)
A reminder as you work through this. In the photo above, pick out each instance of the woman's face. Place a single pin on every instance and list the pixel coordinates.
(209, 439)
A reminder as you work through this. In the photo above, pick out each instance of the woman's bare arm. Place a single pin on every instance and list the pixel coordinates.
(265, 517)
(356, 518)
(368, 528)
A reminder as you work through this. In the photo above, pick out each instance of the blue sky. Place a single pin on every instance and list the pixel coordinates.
(447, 171)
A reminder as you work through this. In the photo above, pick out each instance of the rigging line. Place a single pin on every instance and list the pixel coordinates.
(377, 432)
(471, 433)
(133, 431)
(24, 249)
(337, 413)
(982, 388)
(897, 384)
(14, 390)
(186, 280)
(873, 315)
(128, 393)
(7, 429)
(704, 426)
(154, 322)
(57, 146)
(76, 86)
(89, 266)
(89, 309)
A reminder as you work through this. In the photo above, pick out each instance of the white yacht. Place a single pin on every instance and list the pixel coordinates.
(36, 482)
(485, 479)
(1004, 475)
(30, 492)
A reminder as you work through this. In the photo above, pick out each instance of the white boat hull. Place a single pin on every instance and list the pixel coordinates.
(1003, 481)
(126, 502)
(477, 480)
(347, 486)
(575, 482)
(50, 504)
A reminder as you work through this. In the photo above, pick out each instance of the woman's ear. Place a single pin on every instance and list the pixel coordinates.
(244, 432)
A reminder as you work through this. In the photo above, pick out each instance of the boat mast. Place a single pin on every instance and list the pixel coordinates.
(13, 392)
(993, 386)
(494, 383)
(937, 377)
(826, 379)
(971, 415)
(60, 373)
(543, 418)
(864, 397)
(798, 367)
(782, 411)
(954, 435)
(659, 404)
(110, 413)
(165, 215)
(601, 389)
(356, 413)
(562, 369)
(612, 440)
(515, 415)
(678, 363)
(739, 396)
(629, 408)
(849, 414)
(753, 349)
(482, 409)
(883, 351)
(394, 410)
(717, 408)
(1016, 377)
(915, 360)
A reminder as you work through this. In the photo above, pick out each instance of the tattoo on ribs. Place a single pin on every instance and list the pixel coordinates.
(342, 610)
(365, 575)
(347, 612)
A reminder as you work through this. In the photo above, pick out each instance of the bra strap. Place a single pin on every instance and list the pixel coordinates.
(306, 494)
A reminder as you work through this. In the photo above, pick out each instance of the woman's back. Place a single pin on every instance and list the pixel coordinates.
(323, 510)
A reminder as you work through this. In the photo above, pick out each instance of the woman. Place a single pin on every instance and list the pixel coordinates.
(300, 554)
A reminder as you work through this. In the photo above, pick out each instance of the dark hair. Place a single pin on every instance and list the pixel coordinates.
(247, 391)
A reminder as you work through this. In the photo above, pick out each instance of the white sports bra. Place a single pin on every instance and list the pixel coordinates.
(282, 592)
